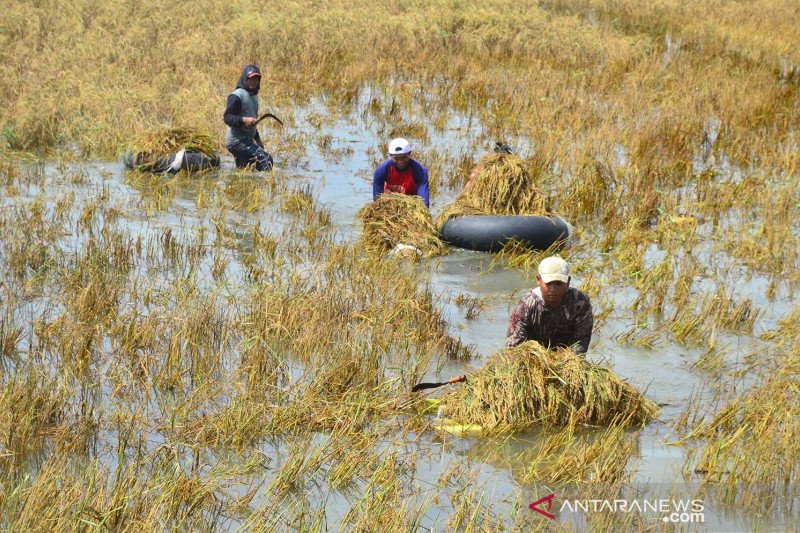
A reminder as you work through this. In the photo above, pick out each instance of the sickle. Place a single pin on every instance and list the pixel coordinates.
(269, 115)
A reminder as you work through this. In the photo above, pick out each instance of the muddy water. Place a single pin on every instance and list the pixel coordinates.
(665, 373)
(343, 185)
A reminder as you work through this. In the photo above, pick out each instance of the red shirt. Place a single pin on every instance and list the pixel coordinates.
(401, 181)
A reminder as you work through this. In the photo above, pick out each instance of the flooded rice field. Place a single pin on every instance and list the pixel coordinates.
(216, 351)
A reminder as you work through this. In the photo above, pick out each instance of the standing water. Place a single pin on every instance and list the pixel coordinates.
(439, 478)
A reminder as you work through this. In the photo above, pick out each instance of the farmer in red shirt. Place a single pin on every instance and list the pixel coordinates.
(400, 173)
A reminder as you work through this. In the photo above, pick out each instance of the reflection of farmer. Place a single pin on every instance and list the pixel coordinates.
(241, 112)
(553, 314)
(400, 173)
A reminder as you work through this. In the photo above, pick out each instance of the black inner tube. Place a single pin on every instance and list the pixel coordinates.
(191, 161)
(489, 233)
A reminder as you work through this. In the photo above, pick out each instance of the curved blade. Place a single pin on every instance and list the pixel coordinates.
(269, 115)
(423, 386)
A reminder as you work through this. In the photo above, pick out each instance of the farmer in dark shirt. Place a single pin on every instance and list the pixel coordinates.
(553, 314)
(241, 116)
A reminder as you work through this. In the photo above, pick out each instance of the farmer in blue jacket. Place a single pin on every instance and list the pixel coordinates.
(241, 112)
(400, 173)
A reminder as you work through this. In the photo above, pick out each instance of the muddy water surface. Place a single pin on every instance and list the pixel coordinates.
(342, 184)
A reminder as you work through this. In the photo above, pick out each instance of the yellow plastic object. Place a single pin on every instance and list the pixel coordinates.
(448, 425)
(431, 406)
(454, 428)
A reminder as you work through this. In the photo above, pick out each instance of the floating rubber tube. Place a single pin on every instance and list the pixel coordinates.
(182, 160)
(489, 233)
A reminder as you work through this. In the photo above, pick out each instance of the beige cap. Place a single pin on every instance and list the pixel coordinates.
(554, 269)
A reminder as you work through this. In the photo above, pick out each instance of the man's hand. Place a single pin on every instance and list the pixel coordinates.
(249, 121)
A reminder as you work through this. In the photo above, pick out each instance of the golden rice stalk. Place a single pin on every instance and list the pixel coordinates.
(753, 442)
(399, 219)
(526, 386)
(161, 141)
(501, 186)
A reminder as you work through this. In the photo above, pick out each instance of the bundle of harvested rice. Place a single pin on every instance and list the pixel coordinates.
(395, 219)
(500, 186)
(162, 141)
(526, 386)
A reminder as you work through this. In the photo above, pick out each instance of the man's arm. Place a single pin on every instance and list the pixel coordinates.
(584, 321)
(233, 112)
(379, 179)
(518, 324)
(421, 181)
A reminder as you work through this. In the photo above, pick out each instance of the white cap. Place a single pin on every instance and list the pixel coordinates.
(554, 269)
(399, 146)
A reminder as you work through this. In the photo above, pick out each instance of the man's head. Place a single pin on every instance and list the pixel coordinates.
(553, 279)
(250, 79)
(400, 152)
(253, 80)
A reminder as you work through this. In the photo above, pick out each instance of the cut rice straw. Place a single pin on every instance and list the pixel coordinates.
(500, 186)
(395, 219)
(161, 141)
(527, 386)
